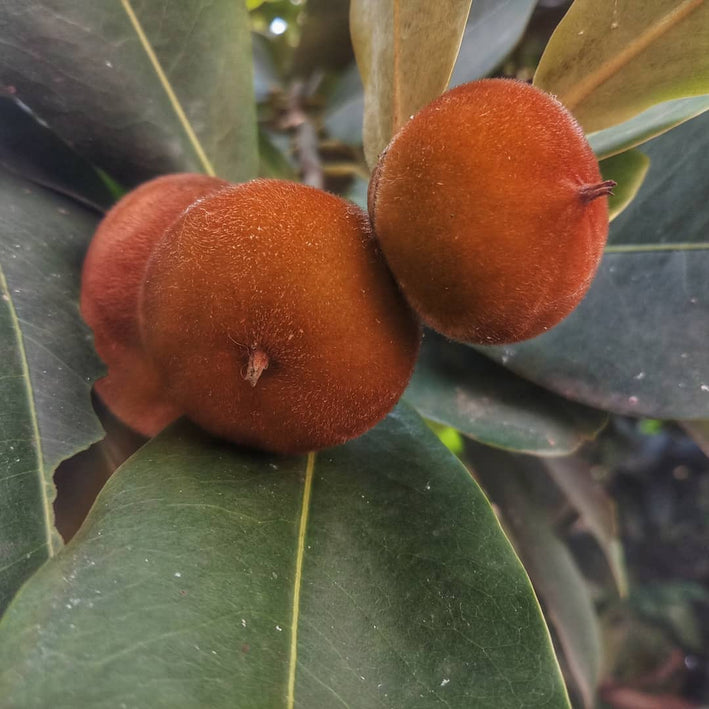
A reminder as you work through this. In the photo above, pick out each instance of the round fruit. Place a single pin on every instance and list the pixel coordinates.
(491, 212)
(111, 281)
(273, 319)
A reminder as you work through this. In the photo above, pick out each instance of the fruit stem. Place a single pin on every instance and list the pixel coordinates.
(599, 189)
(258, 362)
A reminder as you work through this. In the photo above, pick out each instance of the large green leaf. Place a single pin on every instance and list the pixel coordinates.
(646, 125)
(29, 149)
(405, 52)
(46, 368)
(455, 386)
(137, 87)
(609, 61)
(638, 342)
(514, 483)
(372, 574)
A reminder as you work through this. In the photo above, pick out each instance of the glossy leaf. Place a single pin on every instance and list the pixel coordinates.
(494, 28)
(628, 170)
(46, 368)
(29, 149)
(373, 574)
(637, 344)
(648, 124)
(454, 385)
(596, 508)
(607, 62)
(136, 87)
(405, 52)
(510, 481)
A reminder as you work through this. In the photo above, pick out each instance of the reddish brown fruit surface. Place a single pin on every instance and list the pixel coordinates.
(274, 320)
(112, 277)
(491, 211)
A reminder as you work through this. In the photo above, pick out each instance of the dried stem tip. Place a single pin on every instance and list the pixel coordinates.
(600, 189)
(258, 362)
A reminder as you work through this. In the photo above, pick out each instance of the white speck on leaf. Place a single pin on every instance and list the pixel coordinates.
(279, 629)
(177, 574)
(444, 681)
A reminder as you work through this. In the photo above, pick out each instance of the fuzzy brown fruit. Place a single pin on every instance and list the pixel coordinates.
(273, 319)
(491, 212)
(112, 277)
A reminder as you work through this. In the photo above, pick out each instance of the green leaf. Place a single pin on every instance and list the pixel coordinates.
(454, 385)
(646, 125)
(136, 87)
(405, 52)
(510, 481)
(597, 509)
(494, 28)
(372, 574)
(637, 344)
(607, 63)
(628, 170)
(32, 151)
(46, 368)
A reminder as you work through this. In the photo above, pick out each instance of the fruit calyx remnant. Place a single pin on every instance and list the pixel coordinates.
(258, 362)
(600, 189)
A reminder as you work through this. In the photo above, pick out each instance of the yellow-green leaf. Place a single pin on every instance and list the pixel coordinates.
(609, 61)
(628, 169)
(405, 52)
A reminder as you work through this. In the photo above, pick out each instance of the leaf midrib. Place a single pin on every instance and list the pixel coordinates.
(297, 580)
(167, 86)
(46, 505)
(646, 248)
(611, 67)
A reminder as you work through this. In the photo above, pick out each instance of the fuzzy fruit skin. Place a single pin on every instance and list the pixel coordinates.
(277, 268)
(112, 278)
(477, 205)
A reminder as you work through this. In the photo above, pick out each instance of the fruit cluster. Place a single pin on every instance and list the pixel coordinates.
(265, 312)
